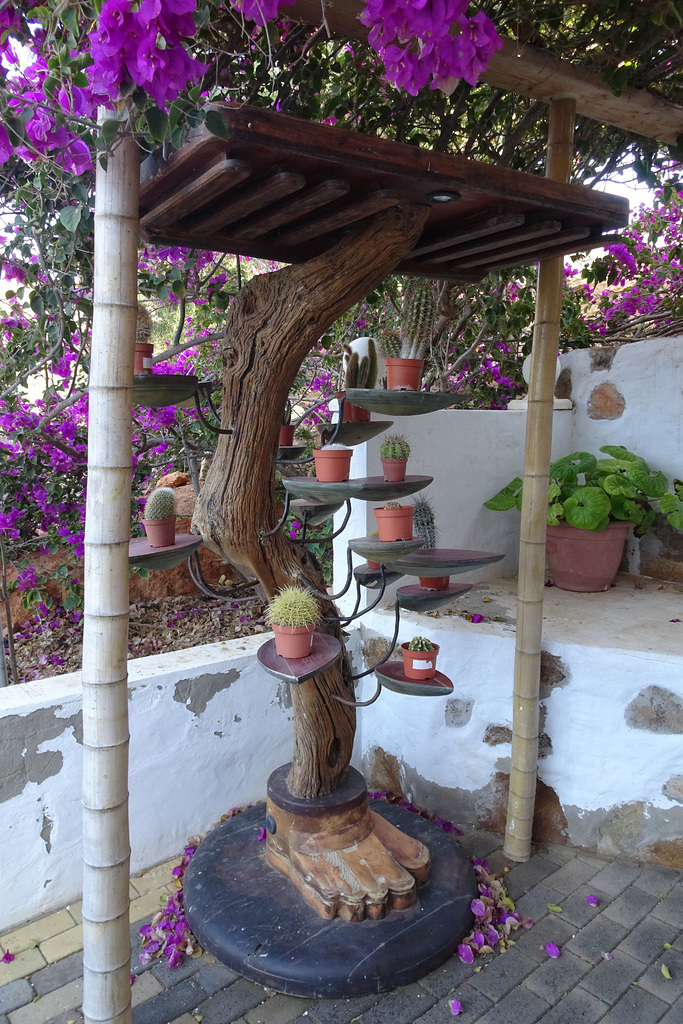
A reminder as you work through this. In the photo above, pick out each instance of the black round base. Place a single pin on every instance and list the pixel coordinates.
(252, 919)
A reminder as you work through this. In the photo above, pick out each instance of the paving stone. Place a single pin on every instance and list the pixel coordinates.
(675, 1014)
(577, 910)
(137, 968)
(480, 844)
(534, 904)
(658, 879)
(671, 909)
(590, 858)
(146, 906)
(599, 936)
(340, 1011)
(168, 978)
(23, 965)
(502, 974)
(155, 877)
(214, 977)
(449, 976)
(524, 876)
(550, 929)
(50, 1006)
(631, 907)
(473, 1003)
(145, 987)
(520, 1006)
(666, 989)
(646, 941)
(171, 1003)
(571, 875)
(16, 994)
(185, 1018)
(76, 911)
(559, 853)
(280, 1009)
(636, 1007)
(611, 978)
(402, 1006)
(231, 1002)
(616, 877)
(63, 944)
(555, 978)
(58, 974)
(576, 1006)
(36, 931)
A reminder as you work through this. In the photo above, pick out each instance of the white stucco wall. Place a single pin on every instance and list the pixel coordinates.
(207, 727)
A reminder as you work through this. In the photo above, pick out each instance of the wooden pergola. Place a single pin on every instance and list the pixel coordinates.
(419, 233)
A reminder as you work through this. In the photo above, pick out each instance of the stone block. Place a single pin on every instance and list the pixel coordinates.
(145, 987)
(636, 1007)
(534, 904)
(671, 908)
(16, 994)
(578, 1006)
(231, 1002)
(449, 976)
(473, 1003)
(171, 1003)
(279, 1009)
(522, 877)
(656, 709)
(214, 977)
(402, 1006)
(615, 877)
(502, 974)
(657, 879)
(577, 910)
(57, 974)
(599, 936)
(556, 978)
(340, 1011)
(611, 978)
(631, 907)
(646, 941)
(50, 1006)
(571, 875)
(549, 929)
(521, 1007)
(669, 990)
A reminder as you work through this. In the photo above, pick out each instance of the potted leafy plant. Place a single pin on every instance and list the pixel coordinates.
(359, 372)
(159, 517)
(419, 658)
(332, 463)
(293, 614)
(589, 519)
(286, 438)
(405, 352)
(394, 451)
(395, 521)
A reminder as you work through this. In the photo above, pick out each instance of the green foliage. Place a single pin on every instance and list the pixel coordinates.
(424, 522)
(394, 446)
(293, 606)
(619, 488)
(161, 504)
(420, 643)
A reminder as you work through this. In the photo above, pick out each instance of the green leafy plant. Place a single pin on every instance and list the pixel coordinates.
(394, 446)
(621, 487)
(293, 606)
(420, 643)
(161, 504)
(424, 522)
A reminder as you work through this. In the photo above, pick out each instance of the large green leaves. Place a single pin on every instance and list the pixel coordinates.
(507, 498)
(588, 508)
(567, 469)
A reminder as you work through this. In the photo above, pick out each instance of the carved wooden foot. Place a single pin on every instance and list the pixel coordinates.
(344, 859)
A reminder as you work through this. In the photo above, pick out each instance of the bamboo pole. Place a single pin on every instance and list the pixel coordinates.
(106, 846)
(539, 426)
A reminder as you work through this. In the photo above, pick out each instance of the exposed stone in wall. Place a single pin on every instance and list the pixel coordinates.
(545, 745)
(458, 712)
(20, 737)
(374, 649)
(497, 734)
(669, 852)
(602, 358)
(656, 710)
(550, 823)
(673, 788)
(553, 673)
(195, 693)
(624, 825)
(563, 384)
(385, 772)
(606, 403)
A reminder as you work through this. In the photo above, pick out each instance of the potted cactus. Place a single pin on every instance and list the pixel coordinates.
(395, 521)
(424, 526)
(332, 463)
(394, 451)
(159, 517)
(419, 658)
(360, 372)
(404, 352)
(144, 349)
(293, 614)
(286, 438)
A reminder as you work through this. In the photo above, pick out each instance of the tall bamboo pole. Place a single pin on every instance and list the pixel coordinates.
(106, 845)
(539, 426)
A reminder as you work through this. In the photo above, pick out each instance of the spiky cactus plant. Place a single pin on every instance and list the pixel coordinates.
(361, 373)
(424, 524)
(143, 330)
(394, 446)
(391, 505)
(161, 504)
(293, 606)
(420, 643)
(417, 320)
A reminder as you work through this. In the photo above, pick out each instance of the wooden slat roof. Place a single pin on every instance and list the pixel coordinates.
(286, 189)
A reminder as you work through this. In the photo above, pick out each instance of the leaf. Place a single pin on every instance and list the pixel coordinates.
(216, 125)
(667, 945)
(157, 123)
(109, 129)
(553, 908)
(506, 498)
(587, 507)
(70, 216)
(37, 304)
(32, 943)
(666, 972)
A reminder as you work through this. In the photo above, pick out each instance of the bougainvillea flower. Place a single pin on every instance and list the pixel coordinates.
(552, 950)
(465, 954)
(477, 618)
(456, 1007)
(593, 900)
(7, 958)
(477, 908)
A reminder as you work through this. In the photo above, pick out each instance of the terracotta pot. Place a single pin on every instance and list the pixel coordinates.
(160, 532)
(332, 465)
(404, 373)
(143, 357)
(419, 664)
(585, 560)
(353, 413)
(373, 565)
(286, 438)
(394, 469)
(395, 523)
(293, 642)
(435, 582)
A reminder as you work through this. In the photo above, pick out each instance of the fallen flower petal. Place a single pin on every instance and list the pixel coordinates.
(7, 958)
(477, 618)
(477, 908)
(552, 950)
(593, 900)
(456, 1007)
(262, 835)
(465, 954)
(606, 956)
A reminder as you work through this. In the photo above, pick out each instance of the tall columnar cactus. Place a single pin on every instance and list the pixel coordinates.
(417, 322)
(161, 504)
(424, 524)
(143, 329)
(390, 343)
(394, 446)
(361, 373)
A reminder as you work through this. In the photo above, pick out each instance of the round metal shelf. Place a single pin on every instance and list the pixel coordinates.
(324, 652)
(352, 434)
(403, 403)
(445, 561)
(392, 677)
(418, 599)
(155, 390)
(142, 556)
(367, 488)
(385, 552)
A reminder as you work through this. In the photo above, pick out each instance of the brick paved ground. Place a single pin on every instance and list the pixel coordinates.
(638, 920)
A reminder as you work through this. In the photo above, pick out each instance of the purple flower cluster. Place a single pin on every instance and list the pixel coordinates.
(260, 11)
(168, 933)
(495, 916)
(427, 39)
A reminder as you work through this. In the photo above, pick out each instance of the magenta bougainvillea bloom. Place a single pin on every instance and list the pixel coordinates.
(593, 900)
(477, 618)
(465, 953)
(456, 1007)
(7, 958)
(552, 950)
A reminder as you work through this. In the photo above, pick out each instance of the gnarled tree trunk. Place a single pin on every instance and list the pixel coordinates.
(271, 327)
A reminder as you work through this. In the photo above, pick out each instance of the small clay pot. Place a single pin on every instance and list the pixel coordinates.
(404, 373)
(419, 664)
(286, 438)
(160, 532)
(394, 470)
(435, 582)
(395, 523)
(143, 357)
(293, 642)
(332, 465)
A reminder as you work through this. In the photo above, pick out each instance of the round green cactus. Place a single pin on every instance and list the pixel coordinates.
(394, 446)
(161, 504)
(293, 606)
(420, 643)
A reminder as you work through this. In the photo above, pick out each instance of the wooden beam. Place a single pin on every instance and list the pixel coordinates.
(535, 73)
